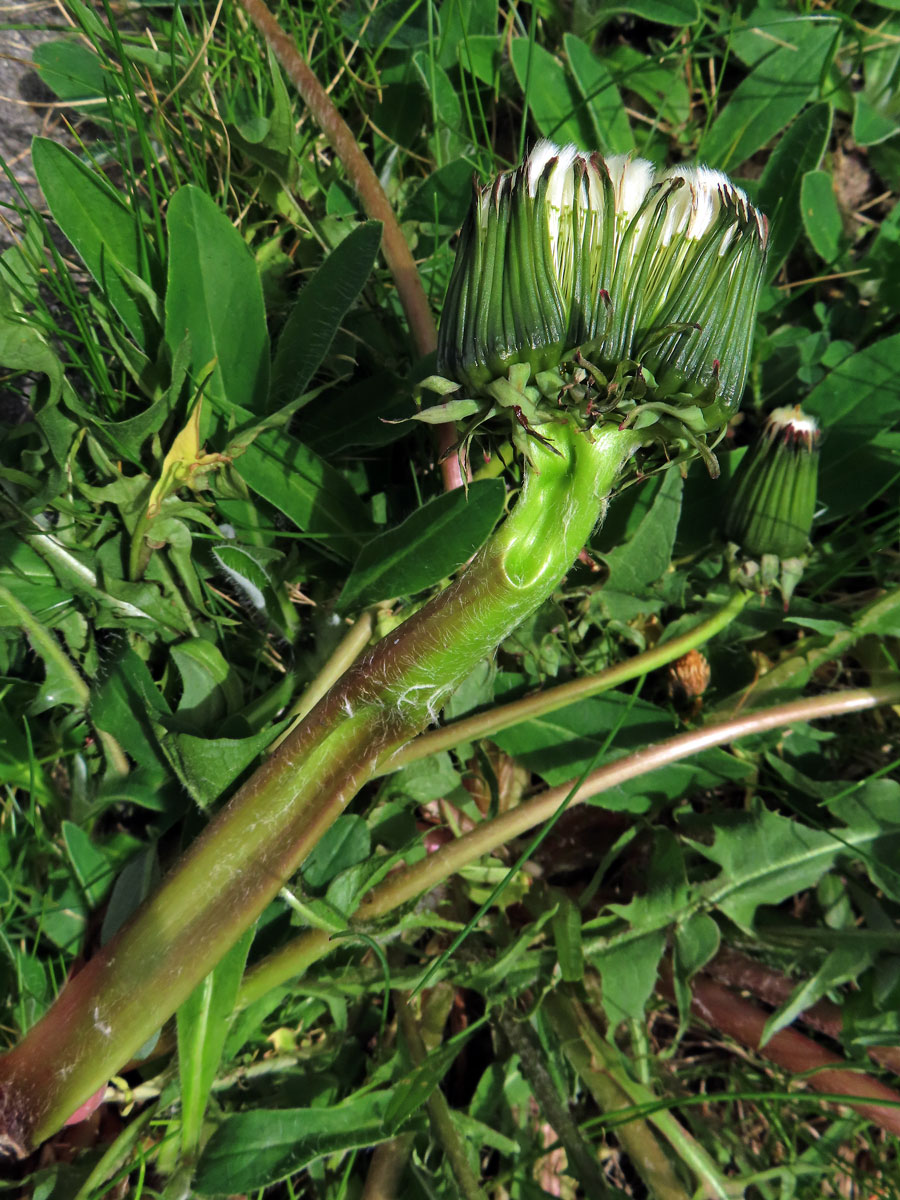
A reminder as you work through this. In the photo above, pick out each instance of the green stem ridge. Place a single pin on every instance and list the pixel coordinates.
(228, 876)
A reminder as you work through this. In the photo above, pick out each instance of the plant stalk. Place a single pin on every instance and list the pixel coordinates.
(405, 885)
(124, 994)
(822, 1069)
(596, 1065)
(549, 700)
(441, 1119)
(395, 247)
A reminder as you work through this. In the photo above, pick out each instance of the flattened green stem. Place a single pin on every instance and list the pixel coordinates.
(505, 715)
(398, 889)
(117, 1001)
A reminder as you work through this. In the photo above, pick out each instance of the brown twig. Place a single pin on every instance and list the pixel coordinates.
(821, 1069)
(359, 170)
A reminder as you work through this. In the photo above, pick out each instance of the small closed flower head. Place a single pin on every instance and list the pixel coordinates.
(773, 499)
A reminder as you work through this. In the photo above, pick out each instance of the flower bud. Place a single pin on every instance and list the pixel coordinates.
(773, 500)
(774, 495)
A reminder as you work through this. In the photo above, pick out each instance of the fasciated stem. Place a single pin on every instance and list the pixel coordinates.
(118, 1000)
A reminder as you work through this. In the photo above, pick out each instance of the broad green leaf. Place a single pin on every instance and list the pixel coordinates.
(126, 704)
(203, 1021)
(318, 312)
(412, 1093)
(821, 215)
(445, 106)
(344, 845)
(660, 84)
(461, 22)
(883, 260)
(566, 926)
(93, 868)
(666, 12)
(869, 125)
(305, 488)
(844, 964)
(876, 107)
(74, 73)
(371, 413)
(444, 197)
(482, 56)
(648, 552)
(22, 348)
(426, 780)
(862, 393)
(101, 227)
(254, 1149)
(859, 402)
(604, 104)
(209, 688)
(778, 194)
(628, 976)
(208, 766)
(697, 941)
(765, 858)
(875, 809)
(770, 96)
(665, 890)
(428, 546)
(214, 294)
(557, 108)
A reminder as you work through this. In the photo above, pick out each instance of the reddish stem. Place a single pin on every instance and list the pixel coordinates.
(737, 971)
(394, 245)
(822, 1069)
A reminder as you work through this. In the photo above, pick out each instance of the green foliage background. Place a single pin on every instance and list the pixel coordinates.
(182, 568)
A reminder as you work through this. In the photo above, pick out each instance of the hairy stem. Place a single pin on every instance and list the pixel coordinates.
(110, 1009)
(483, 725)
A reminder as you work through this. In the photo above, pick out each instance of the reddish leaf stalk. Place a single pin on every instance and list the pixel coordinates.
(735, 970)
(821, 1069)
(486, 837)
